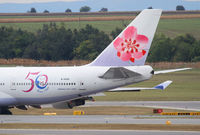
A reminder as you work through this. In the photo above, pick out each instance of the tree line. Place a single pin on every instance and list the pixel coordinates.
(68, 10)
(54, 43)
(184, 48)
(88, 9)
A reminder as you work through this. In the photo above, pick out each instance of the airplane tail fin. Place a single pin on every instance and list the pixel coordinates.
(131, 47)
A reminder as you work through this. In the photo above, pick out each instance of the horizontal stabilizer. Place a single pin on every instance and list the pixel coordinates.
(170, 70)
(161, 86)
(119, 73)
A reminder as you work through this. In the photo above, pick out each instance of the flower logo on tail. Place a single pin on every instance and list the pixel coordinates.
(131, 46)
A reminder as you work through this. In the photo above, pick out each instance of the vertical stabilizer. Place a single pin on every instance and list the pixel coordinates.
(131, 47)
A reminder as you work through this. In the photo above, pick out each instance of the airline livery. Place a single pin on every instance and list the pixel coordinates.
(120, 64)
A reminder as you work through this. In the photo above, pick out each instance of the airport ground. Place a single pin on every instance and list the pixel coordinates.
(137, 108)
(108, 116)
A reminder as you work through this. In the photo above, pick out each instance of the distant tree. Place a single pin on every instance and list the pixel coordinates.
(91, 42)
(184, 48)
(85, 9)
(85, 50)
(196, 59)
(51, 43)
(68, 10)
(116, 32)
(150, 7)
(180, 8)
(46, 11)
(161, 47)
(13, 42)
(196, 52)
(104, 10)
(33, 10)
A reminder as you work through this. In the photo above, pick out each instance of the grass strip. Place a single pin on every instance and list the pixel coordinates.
(100, 110)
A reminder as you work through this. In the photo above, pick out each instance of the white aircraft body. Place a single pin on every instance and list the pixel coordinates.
(120, 64)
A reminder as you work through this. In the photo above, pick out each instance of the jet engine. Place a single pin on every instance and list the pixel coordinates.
(71, 104)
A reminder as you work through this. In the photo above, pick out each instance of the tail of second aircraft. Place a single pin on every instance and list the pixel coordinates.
(131, 47)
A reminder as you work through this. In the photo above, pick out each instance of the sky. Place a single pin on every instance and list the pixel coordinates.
(22, 6)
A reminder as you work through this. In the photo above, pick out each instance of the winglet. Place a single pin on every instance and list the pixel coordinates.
(163, 85)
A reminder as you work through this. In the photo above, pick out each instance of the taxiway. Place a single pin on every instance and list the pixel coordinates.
(94, 119)
(95, 132)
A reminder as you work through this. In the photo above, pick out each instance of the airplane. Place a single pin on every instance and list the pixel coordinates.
(121, 63)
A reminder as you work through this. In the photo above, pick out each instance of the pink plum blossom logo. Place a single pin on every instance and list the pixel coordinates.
(131, 46)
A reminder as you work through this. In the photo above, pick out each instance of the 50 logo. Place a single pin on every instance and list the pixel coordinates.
(40, 81)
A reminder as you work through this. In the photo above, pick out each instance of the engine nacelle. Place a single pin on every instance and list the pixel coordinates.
(69, 104)
(77, 102)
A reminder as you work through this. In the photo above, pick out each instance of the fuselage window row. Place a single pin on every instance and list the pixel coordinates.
(42, 84)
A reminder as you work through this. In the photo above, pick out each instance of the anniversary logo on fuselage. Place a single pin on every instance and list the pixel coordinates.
(38, 80)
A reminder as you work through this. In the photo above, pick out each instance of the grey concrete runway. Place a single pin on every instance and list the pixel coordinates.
(95, 132)
(94, 119)
(182, 105)
(179, 105)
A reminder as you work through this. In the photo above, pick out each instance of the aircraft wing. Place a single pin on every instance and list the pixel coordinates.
(170, 70)
(161, 86)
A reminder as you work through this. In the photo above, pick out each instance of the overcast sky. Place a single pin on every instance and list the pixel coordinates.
(7, 6)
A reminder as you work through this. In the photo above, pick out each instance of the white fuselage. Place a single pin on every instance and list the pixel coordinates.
(43, 85)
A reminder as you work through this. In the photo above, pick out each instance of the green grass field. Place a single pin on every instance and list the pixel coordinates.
(170, 27)
(175, 27)
(61, 16)
(185, 87)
